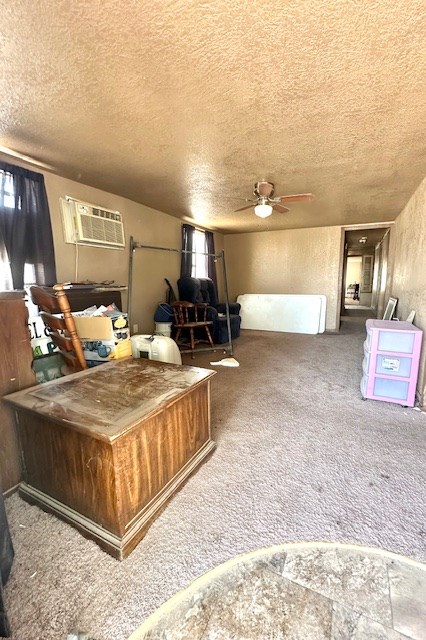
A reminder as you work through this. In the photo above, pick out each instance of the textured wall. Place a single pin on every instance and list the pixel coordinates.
(146, 225)
(150, 267)
(408, 268)
(294, 261)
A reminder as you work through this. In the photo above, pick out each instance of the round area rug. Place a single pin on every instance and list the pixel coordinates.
(301, 591)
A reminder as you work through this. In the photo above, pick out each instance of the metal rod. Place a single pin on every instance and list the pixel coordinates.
(218, 347)
(225, 285)
(130, 283)
(137, 245)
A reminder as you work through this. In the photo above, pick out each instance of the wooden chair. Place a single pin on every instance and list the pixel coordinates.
(191, 317)
(61, 330)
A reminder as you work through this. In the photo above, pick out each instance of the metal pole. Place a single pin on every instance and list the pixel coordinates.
(228, 319)
(130, 281)
(137, 245)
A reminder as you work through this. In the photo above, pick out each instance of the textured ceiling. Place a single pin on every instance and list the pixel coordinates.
(372, 236)
(183, 104)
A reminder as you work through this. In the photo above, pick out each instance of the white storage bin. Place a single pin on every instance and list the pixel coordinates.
(392, 365)
(163, 329)
(366, 364)
(387, 388)
(391, 361)
(363, 386)
(396, 341)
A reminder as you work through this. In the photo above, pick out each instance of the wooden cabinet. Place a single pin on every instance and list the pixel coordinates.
(106, 448)
(15, 373)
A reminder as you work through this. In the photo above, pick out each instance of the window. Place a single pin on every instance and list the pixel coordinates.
(8, 192)
(198, 253)
(199, 261)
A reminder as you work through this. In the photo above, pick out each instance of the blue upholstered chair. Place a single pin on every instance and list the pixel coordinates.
(203, 290)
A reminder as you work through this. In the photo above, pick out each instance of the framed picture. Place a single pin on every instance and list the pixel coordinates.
(390, 309)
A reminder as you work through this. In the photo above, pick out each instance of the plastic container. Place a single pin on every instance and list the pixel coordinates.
(386, 388)
(155, 348)
(163, 329)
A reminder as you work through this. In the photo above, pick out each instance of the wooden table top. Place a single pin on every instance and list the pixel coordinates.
(109, 399)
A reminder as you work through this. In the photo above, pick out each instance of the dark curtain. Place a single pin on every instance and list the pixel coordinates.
(25, 227)
(211, 260)
(187, 245)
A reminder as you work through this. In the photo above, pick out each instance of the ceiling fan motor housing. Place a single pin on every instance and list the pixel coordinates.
(264, 189)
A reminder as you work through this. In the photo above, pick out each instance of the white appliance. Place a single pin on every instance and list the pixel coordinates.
(88, 224)
(155, 348)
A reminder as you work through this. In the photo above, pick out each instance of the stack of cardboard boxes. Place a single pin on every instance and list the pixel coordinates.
(103, 338)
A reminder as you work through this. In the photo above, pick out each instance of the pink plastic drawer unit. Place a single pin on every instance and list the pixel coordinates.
(391, 361)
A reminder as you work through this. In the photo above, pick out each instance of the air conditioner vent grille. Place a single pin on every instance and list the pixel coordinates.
(101, 230)
(90, 225)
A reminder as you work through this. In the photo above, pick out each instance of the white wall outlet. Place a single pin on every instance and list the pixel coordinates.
(135, 328)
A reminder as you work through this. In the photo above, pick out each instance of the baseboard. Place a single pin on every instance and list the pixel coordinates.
(10, 491)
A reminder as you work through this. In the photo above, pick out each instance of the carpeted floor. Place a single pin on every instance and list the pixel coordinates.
(299, 457)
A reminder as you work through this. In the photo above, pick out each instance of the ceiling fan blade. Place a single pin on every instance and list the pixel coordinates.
(249, 206)
(298, 197)
(280, 208)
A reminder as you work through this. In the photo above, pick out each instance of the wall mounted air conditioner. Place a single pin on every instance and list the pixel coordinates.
(88, 224)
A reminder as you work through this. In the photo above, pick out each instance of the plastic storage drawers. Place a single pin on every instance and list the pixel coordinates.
(391, 361)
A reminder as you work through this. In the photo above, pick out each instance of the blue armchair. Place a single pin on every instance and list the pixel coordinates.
(204, 290)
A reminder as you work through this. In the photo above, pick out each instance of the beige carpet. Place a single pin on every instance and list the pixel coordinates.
(299, 457)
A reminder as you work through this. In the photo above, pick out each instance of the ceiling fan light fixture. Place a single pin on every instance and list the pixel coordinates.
(263, 210)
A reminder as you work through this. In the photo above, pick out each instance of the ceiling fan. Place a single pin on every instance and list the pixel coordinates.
(264, 202)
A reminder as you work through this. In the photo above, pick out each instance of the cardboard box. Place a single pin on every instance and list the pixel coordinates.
(97, 351)
(113, 327)
(41, 343)
(104, 337)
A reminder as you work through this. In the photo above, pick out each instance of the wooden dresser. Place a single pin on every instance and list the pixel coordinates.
(106, 448)
(15, 373)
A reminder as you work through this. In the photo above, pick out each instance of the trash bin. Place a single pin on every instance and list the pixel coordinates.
(163, 329)
(163, 319)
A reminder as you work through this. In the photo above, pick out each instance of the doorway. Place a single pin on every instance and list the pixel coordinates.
(364, 270)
